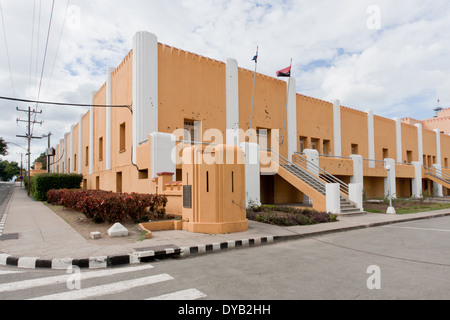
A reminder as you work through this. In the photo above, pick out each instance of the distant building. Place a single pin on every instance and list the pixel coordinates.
(37, 169)
(440, 122)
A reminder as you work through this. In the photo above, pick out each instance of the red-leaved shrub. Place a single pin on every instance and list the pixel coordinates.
(110, 207)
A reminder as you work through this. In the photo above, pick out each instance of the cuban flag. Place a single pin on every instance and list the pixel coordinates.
(285, 72)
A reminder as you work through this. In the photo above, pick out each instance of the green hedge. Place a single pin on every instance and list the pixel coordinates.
(42, 183)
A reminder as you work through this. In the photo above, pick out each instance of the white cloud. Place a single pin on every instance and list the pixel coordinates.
(397, 71)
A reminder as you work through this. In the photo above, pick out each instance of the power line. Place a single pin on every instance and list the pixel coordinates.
(45, 58)
(59, 42)
(66, 104)
(7, 51)
(45, 52)
(32, 44)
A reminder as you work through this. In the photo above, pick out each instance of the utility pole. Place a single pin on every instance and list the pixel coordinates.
(29, 136)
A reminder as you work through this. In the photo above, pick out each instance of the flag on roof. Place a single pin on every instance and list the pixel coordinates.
(285, 72)
(255, 58)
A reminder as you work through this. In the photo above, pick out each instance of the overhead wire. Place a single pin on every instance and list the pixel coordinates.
(32, 44)
(7, 50)
(64, 103)
(59, 42)
(44, 61)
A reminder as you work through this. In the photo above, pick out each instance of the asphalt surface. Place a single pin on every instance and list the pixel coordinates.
(5, 189)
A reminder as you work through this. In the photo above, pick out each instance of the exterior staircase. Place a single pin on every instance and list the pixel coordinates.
(311, 184)
(437, 176)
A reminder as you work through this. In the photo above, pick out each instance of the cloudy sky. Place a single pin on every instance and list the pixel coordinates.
(388, 56)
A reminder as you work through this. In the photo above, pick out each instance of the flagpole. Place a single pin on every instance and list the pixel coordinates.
(253, 97)
(287, 103)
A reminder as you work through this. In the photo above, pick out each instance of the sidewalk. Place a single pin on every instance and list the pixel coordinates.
(47, 241)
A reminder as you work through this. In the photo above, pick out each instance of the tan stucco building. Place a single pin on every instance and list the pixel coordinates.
(176, 97)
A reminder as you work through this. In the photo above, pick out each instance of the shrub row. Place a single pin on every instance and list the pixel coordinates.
(42, 183)
(104, 206)
(283, 216)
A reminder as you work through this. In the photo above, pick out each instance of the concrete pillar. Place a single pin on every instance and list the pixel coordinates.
(417, 181)
(80, 146)
(371, 134)
(420, 142)
(398, 130)
(252, 173)
(358, 170)
(232, 101)
(292, 118)
(162, 146)
(91, 135)
(438, 190)
(438, 147)
(145, 88)
(313, 166)
(356, 194)
(108, 139)
(337, 128)
(393, 179)
(333, 196)
(313, 160)
(71, 148)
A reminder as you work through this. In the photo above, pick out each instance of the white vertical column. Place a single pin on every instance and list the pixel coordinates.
(438, 147)
(145, 88)
(437, 188)
(358, 170)
(417, 181)
(398, 130)
(71, 150)
(337, 128)
(355, 194)
(91, 135)
(162, 146)
(55, 159)
(62, 155)
(80, 146)
(391, 179)
(252, 173)
(333, 198)
(371, 135)
(420, 142)
(232, 102)
(108, 139)
(313, 166)
(292, 118)
(66, 154)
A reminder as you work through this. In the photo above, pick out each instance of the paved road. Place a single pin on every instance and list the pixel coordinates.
(403, 261)
(5, 188)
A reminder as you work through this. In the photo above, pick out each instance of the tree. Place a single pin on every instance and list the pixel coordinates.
(3, 147)
(42, 159)
(8, 170)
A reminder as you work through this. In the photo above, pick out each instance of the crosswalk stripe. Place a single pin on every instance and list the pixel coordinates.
(27, 284)
(190, 294)
(4, 273)
(107, 288)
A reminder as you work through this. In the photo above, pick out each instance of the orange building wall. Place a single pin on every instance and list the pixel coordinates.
(315, 121)
(385, 138)
(269, 104)
(429, 147)
(409, 142)
(190, 87)
(354, 131)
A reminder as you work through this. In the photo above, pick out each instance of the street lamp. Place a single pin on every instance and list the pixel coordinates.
(391, 209)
